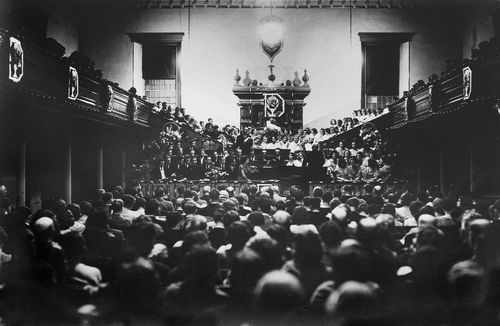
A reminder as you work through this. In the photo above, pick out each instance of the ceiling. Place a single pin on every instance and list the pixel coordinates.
(152, 4)
(326, 4)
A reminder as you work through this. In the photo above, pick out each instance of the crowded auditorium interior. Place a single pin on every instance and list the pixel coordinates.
(249, 162)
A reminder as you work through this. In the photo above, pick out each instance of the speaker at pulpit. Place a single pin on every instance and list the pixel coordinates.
(282, 104)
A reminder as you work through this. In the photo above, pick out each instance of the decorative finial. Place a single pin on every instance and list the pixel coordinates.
(305, 78)
(271, 77)
(247, 81)
(296, 81)
(237, 77)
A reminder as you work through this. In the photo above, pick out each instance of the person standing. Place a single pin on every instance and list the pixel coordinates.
(313, 163)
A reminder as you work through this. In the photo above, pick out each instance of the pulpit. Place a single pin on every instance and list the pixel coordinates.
(284, 103)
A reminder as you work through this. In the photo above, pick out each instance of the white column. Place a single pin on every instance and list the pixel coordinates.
(472, 170)
(404, 68)
(419, 169)
(441, 171)
(100, 168)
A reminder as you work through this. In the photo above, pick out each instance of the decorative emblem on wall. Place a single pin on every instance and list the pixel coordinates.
(274, 105)
(467, 82)
(73, 83)
(16, 60)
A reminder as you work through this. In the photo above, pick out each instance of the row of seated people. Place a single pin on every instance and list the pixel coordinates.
(274, 137)
(340, 163)
(177, 115)
(281, 154)
(205, 256)
(279, 138)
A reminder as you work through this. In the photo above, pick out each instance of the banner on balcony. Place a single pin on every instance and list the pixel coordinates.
(73, 84)
(16, 60)
(274, 105)
(467, 82)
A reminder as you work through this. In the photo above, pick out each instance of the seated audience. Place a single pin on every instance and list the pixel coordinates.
(355, 255)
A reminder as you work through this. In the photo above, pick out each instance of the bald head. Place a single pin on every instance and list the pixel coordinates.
(350, 297)
(427, 220)
(282, 218)
(279, 291)
(340, 212)
(385, 220)
(368, 223)
(476, 229)
(43, 228)
(196, 223)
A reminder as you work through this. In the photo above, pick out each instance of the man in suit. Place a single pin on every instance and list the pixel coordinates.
(313, 163)
(231, 169)
(160, 171)
(165, 205)
(169, 167)
(244, 142)
(208, 165)
(195, 169)
(116, 220)
(191, 147)
(184, 167)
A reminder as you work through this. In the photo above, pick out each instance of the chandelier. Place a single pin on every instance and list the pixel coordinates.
(271, 35)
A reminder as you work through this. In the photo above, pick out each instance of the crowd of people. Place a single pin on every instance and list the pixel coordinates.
(270, 137)
(244, 151)
(267, 255)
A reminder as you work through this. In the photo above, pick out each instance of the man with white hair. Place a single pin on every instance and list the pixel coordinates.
(276, 193)
(47, 251)
(282, 218)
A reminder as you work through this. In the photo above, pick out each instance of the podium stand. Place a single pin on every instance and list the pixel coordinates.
(254, 111)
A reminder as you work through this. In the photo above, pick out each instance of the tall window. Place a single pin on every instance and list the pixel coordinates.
(380, 78)
(159, 73)
(160, 69)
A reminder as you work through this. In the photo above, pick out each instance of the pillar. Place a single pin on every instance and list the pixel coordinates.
(67, 175)
(472, 171)
(419, 169)
(441, 171)
(100, 168)
(21, 177)
(124, 169)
